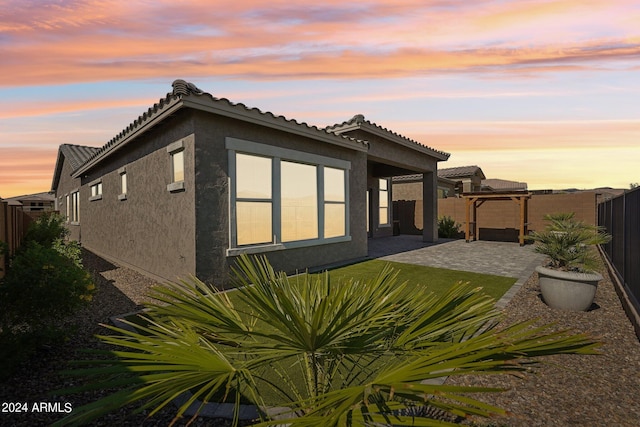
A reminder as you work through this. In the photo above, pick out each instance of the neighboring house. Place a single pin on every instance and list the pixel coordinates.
(470, 176)
(196, 181)
(503, 185)
(39, 202)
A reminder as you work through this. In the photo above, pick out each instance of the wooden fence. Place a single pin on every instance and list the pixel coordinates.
(13, 226)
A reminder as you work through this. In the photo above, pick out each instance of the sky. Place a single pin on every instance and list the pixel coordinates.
(545, 92)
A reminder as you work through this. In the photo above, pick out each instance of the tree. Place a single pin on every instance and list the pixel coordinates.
(345, 353)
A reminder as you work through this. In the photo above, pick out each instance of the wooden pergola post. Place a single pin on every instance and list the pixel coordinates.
(471, 202)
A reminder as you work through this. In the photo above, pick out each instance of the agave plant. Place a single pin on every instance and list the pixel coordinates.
(347, 353)
(568, 242)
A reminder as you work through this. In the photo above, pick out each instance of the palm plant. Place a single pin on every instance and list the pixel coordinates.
(567, 242)
(345, 353)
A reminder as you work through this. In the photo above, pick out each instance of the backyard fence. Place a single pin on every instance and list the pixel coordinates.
(13, 225)
(620, 217)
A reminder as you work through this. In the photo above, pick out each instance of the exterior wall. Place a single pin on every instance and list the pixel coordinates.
(212, 199)
(499, 219)
(66, 186)
(153, 229)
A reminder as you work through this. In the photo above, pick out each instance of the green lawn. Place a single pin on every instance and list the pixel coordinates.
(437, 280)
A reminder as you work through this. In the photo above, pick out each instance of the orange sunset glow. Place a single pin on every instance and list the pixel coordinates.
(543, 91)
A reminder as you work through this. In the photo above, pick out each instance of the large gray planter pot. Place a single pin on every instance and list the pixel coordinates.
(567, 290)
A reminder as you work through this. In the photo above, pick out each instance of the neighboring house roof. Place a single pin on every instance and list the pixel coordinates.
(502, 185)
(37, 197)
(418, 177)
(186, 94)
(76, 155)
(358, 122)
(460, 172)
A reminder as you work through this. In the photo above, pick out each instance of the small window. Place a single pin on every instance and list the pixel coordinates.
(177, 162)
(123, 183)
(75, 207)
(96, 190)
(383, 201)
(176, 152)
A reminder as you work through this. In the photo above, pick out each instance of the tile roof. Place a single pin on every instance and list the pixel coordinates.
(187, 94)
(359, 122)
(44, 196)
(77, 154)
(459, 171)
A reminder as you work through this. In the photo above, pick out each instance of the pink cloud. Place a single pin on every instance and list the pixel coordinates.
(84, 41)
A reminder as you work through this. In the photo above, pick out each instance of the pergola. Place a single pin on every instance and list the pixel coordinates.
(475, 200)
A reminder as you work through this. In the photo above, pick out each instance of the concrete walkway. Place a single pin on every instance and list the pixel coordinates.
(497, 258)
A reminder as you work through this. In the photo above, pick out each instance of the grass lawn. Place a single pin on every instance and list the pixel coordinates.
(437, 280)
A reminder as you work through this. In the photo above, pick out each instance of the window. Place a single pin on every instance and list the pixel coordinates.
(176, 153)
(253, 200)
(177, 162)
(298, 201)
(123, 184)
(335, 206)
(75, 206)
(96, 190)
(68, 207)
(283, 198)
(383, 201)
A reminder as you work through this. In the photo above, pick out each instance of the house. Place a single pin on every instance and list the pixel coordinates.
(197, 180)
(39, 202)
(471, 177)
(495, 184)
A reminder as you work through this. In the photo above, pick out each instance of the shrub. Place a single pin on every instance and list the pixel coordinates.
(447, 227)
(566, 242)
(45, 282)
(46, 230)
(42, 285)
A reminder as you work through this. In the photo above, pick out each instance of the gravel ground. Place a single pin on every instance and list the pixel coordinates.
(567, 390)
(571, 390)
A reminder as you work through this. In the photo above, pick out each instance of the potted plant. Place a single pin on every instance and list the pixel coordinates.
(569, 280)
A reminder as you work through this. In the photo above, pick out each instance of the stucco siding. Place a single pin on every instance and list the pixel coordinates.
(153, 229)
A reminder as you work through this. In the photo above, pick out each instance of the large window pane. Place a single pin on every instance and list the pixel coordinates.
(253, 177)
(299, 201)
(334, 220)
(253, 222)
(333, 185)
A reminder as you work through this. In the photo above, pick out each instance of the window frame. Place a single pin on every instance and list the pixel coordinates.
(278, 154)
(174, 149)
(95, 188)
(122, 173)
(75, 207)
(386, 193)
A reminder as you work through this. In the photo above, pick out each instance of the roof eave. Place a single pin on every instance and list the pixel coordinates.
(440, 156)
(376, 130)
(169, 109)
(278, 123)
